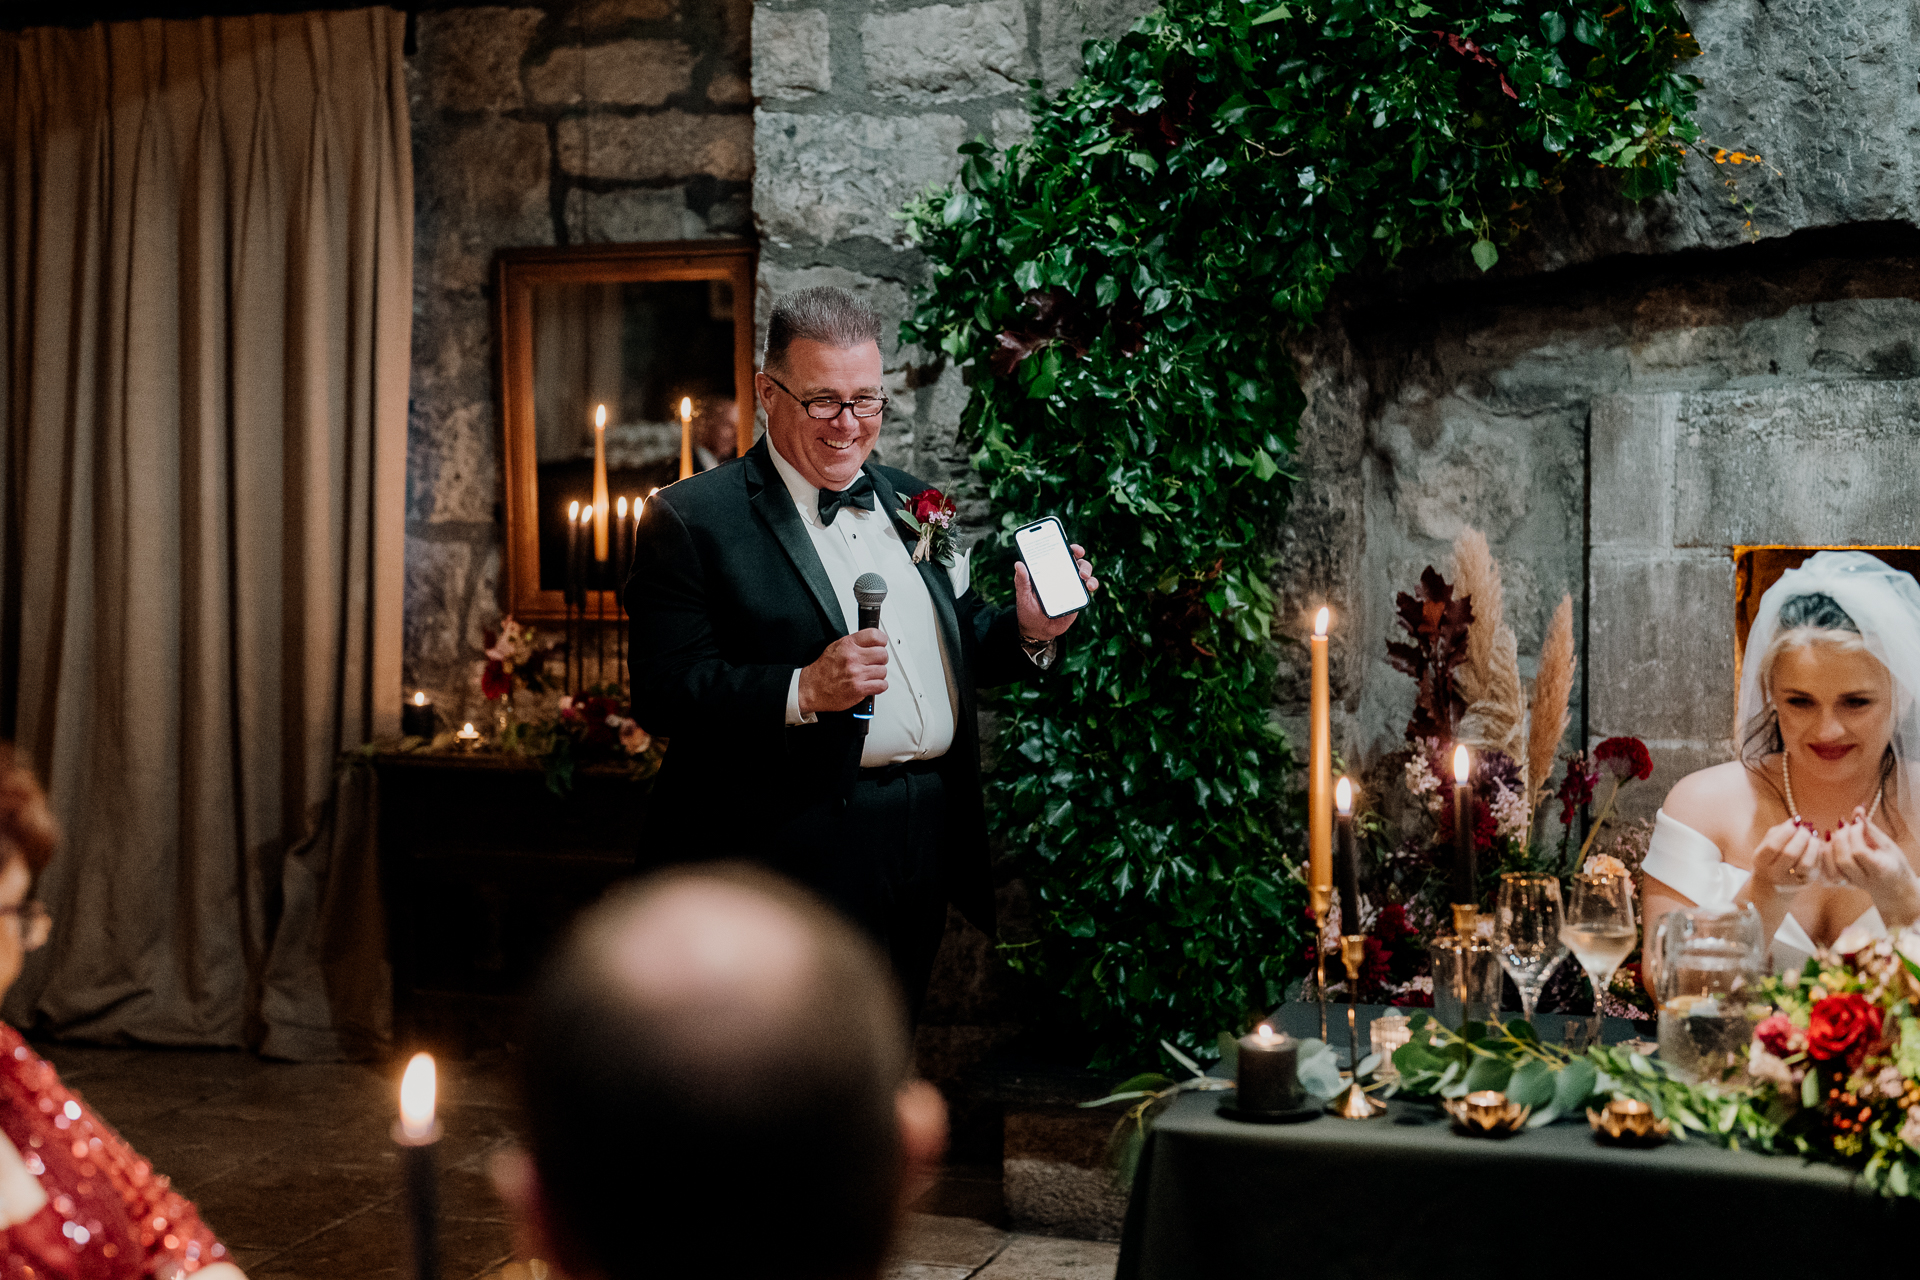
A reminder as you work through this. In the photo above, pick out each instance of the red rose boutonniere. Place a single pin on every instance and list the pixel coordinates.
(930, 513)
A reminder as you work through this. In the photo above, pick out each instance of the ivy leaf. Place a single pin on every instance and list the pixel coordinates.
(1485, 255)
(1279, 14)
(1553, 26)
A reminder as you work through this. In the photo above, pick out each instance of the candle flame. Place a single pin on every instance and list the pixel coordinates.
(416, 1098)
(621, 506)
(466, 730)
(419, 699)
(1320, 623)
(573, 512)
(1343, 797)
(599, 416)
(686, 408)
(1266, 1034)
(1461, 765)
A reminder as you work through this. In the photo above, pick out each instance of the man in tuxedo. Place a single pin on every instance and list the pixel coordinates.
(741, 598)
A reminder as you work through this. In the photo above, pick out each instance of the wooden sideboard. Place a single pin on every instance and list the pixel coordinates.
(481, 869)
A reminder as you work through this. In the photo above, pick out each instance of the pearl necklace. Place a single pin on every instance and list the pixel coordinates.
(1786, 776)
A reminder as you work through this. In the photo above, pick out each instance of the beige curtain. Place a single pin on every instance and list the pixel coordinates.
(207, 230)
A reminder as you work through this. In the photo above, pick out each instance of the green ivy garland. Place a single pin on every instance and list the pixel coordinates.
(1123, 285)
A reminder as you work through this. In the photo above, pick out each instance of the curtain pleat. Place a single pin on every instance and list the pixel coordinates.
(207, 290)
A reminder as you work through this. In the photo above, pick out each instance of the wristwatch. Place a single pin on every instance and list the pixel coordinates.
(1040, 652)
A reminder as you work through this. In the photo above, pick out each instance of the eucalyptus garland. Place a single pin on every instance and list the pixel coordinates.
(1123, 286)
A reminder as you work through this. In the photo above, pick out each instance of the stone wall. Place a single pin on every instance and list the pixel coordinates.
(541, 124)
(1439, 398)
(862, 104)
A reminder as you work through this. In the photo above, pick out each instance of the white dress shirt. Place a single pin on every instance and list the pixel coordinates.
(914, 718)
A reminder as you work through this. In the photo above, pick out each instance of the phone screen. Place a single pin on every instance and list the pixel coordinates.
(1056, 579)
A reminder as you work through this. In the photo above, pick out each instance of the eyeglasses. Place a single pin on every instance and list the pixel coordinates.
(824, 407)
(32, 920)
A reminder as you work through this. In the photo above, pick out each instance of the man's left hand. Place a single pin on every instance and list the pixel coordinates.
(1034, 622)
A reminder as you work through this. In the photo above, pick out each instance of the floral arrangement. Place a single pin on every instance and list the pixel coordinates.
(1462, 655)
(930, 514)
(1836, 1069)
(515, 655)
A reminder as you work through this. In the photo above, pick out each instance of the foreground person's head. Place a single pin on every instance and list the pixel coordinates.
(822, 354)
(1832, 700)
(28, 835)
(716, 1072)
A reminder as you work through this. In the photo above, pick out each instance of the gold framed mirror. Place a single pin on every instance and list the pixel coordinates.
(661, 336)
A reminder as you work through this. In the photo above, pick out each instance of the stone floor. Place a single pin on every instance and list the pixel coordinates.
(294, 1167)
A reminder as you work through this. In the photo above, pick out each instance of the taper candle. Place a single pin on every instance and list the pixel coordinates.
(1463, 860)
(600, 483)
(575, 601)
(1349, 858)
(416, 1133)
(686, 436)
(1320, 778)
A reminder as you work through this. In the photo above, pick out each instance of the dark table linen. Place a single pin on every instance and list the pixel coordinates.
(1404, 1196)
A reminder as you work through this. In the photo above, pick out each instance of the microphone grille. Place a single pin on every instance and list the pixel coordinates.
(869, 588)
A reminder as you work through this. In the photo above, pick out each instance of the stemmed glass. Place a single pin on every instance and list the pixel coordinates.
(1600, 931)
(1527, 933)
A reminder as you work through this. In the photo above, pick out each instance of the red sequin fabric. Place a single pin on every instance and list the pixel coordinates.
(108, 1215)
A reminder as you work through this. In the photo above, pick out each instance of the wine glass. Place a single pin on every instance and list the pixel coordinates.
(1600, 931)
(1527, 933)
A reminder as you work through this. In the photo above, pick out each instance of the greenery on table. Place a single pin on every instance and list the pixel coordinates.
(1124, 285)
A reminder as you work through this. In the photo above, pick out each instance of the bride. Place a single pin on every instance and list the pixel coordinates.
(1817, 824)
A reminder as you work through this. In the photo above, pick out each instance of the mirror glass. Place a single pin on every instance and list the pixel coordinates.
(640, 348)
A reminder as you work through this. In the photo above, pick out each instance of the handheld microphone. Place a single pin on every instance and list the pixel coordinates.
(869, 589)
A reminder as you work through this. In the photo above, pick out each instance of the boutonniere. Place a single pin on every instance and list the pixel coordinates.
(930, 513)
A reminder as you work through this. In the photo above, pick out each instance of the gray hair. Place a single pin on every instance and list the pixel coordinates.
(825, 315)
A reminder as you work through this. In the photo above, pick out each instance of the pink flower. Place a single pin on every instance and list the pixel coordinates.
(1762, 1065)
(1910, 1131)
(1779, 1037)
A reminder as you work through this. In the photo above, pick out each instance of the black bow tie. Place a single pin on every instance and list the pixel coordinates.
(858, 494)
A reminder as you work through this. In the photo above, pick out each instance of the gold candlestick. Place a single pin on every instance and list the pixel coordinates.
(1353, 1102)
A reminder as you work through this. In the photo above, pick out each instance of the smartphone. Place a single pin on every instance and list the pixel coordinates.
(1056, 578)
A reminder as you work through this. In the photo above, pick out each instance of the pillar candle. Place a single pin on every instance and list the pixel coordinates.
(416, 1134)
(600, 483)
(686, 437)
(1464, 876)
(1349, 859)
(1268, 1077)
(416, 717)
(1320, 779)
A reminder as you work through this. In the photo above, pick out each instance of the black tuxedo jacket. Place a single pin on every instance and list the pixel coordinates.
(727, 598)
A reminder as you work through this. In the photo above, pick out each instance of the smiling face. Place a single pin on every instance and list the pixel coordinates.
(829, 452)
(1836, 708)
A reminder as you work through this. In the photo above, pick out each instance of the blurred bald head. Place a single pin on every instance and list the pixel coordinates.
(721, 1052)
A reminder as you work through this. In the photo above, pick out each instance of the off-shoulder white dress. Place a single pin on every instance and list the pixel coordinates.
(1683, 859)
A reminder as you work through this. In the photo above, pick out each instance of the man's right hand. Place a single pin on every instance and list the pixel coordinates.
(851, 670)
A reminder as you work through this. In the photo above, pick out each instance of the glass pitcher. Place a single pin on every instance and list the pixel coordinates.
(1705, 960)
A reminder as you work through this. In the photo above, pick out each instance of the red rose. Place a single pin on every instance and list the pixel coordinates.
(1780, 1037)
(929, 503)
(494, 682)
(1842, 1026)
(1624, 758)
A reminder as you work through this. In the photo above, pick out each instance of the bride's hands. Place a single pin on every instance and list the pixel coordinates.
(1786, 858)
(1864, 856)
